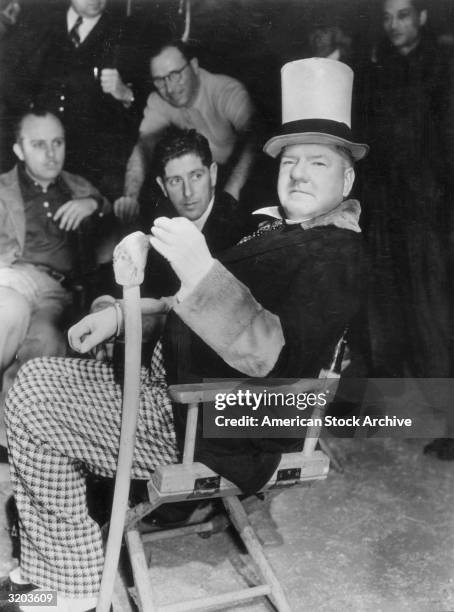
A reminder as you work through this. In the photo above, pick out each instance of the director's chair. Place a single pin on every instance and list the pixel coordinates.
(191, 480)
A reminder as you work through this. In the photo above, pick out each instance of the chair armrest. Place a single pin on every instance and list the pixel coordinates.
(199, 392)
(207, 391)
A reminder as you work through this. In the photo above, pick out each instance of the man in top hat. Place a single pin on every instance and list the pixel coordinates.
(272, 306)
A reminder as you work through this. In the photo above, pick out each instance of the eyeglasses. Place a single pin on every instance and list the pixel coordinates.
(173, 77)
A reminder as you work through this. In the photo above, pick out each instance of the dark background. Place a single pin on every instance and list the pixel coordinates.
(251, 39)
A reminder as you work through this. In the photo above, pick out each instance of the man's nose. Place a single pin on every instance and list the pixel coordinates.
(300, 172)
(169, 86)
(51, 152)
(187, 188)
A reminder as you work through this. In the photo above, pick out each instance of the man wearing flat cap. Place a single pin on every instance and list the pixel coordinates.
(274, 305)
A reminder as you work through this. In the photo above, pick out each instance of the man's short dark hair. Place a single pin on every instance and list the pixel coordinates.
(418, 5)
(34, 111)
(163, 43)
(176, 142)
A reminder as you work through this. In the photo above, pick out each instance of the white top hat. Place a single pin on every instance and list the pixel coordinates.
(316, 106)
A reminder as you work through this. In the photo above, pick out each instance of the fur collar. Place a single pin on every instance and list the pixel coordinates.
(344, 216)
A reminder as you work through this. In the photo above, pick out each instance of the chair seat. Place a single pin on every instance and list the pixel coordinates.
(196, 481)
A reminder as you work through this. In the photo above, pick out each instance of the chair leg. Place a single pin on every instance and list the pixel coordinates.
(120, 598)
(140, 571)
(241, 522)
(326, 448)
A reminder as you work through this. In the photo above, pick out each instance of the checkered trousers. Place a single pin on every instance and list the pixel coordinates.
(63, 416)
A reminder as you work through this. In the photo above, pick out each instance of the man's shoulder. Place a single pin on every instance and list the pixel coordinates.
(226, 224)
(9, 179)
(75, 182)
(157, 105)
(39, 26)
(109, 26)
(10, 192)
(323, 243)
(219, 82)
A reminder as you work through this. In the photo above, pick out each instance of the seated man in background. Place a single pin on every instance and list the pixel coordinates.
(188, 96)
(42, 210)
(187, 177)
(274, 305)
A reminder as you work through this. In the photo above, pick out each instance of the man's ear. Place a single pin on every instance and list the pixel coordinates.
(423, 17)
(162, 186)
(349, 178)
(195, 65)
(214, 174)
(18, 151)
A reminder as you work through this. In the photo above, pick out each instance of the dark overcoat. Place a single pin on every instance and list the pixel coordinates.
(226, 224)
(406, 181)
(46, 69)
(310, 280)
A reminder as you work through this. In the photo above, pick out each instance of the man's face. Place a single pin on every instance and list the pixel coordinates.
(41, 146)
(323, 41)
(402, 24)
(313, 179)
(175, 79)
(89, 8)
(189, 185)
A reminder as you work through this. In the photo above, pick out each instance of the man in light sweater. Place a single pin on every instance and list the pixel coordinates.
(189, 97)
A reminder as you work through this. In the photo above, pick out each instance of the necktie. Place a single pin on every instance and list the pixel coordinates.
(74, 32)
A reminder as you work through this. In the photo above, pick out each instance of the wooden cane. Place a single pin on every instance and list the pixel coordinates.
(129, 263)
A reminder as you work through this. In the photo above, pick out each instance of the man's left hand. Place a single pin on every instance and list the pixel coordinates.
(112, 84)
(184, 247)
(71, 214)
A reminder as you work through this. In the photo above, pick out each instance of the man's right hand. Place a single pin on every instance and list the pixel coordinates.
(93, 330)
(126, 208)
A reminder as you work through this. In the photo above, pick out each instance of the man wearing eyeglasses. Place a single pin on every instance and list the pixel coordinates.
(190, 97)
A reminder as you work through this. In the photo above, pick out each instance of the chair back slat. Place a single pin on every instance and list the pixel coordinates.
(190, 435)
(333, 372)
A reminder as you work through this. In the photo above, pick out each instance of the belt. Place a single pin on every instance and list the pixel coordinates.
(58, 276)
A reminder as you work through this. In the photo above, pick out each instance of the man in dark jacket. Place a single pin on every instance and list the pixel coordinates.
(187, 177)
(77, 63)
(407, 180)
(272, 306)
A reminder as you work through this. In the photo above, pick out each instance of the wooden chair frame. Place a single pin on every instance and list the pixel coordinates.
(191, 480)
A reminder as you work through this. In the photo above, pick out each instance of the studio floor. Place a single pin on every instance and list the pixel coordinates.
(377, 538)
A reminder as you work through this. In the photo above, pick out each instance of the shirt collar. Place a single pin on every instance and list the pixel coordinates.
(345, 216)
(28, 182)
(87, 25)
(200, 222)
(334, 55)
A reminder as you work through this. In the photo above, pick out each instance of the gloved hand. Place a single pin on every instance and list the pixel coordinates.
(185, 248)
(92, 330)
